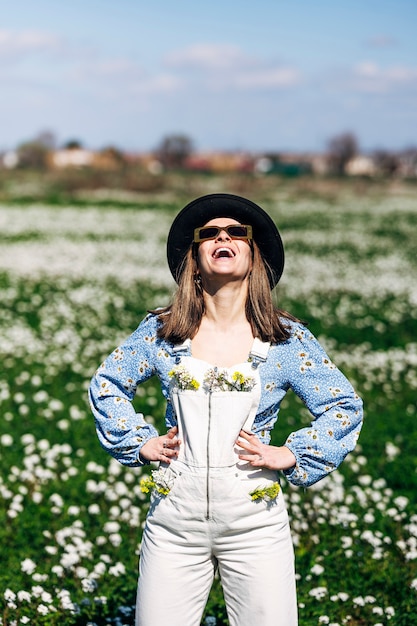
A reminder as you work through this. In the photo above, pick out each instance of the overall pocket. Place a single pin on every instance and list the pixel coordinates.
(259, 485)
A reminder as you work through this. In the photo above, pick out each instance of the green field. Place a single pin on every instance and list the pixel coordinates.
(76, 279)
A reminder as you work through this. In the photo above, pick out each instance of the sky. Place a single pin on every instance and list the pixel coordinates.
(270, 75)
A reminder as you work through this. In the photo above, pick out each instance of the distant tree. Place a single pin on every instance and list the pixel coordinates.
(341, 149)
(47, 138)
(32, 155)
(174, 151)
(114, 155)
(408, 162)
(387, 163)
(73, 144)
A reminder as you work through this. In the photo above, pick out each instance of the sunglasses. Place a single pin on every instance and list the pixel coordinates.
(235, 231)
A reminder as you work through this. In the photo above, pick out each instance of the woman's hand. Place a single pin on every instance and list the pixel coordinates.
(164, 448)
(259, 454)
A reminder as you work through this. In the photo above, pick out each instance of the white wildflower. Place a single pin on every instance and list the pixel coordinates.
(28, 566)
(117, 570)
(24, 596)
(318, 592)
(42, 609)
(89, 585)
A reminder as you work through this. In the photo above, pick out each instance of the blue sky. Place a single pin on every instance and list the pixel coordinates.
(230, 74)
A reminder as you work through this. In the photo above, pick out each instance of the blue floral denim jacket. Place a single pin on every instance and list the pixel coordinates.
(299, 363)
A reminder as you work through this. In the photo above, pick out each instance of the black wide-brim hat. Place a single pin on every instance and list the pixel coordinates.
(202, 210)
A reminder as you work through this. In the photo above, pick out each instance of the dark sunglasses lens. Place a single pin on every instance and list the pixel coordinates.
(237, 231)
(208, 233)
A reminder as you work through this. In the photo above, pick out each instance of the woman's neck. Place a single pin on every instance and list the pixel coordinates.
(224, 337)
(225, 307)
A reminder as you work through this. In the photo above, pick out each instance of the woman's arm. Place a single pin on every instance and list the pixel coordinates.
(121, 431)
(336, 408)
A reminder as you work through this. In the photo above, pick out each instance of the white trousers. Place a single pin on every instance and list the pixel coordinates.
(208, 521)
(248, 541)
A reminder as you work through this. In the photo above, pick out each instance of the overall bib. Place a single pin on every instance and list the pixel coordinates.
(208, 519)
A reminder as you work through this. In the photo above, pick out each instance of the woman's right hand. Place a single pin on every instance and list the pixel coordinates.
(163, 448)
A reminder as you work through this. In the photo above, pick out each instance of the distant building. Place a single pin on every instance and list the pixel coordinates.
(286, 164)
(10, 159)
(319, 164)
(72, 157)
(107, 159)
(220, 162)
(361, 165)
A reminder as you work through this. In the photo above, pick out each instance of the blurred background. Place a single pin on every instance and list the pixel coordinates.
(227, 85)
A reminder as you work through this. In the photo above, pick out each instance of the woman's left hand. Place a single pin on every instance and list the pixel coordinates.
(259, 454)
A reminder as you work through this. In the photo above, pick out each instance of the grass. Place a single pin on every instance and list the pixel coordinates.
(75, 281)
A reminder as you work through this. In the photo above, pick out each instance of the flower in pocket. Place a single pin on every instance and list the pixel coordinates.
(158, 481)
(266, 493)
(220, 380)
(241, 382)
(183, 379)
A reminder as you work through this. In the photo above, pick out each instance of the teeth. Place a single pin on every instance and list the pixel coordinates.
(223, 252)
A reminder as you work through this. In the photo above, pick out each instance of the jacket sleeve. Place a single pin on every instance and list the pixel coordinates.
(334, 405)
(120, 430)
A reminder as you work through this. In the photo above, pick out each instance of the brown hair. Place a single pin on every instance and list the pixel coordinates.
(181, 319)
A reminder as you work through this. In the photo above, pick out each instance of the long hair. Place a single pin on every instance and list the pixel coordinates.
(181, 319)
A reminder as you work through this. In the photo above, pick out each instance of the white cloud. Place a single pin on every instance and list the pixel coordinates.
(367, 76)
(226, 66)
(201, 69)
(159, 84)
(16, 45)
(121, 77)
(381, 41)
(115, 70)
(208, 57)
(275, 77)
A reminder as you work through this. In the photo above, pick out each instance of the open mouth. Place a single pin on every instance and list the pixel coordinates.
(223, 253)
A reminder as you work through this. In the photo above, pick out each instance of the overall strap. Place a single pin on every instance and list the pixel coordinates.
(259, 352)
(181, 349)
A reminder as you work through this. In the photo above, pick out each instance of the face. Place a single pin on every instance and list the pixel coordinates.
(224, 257)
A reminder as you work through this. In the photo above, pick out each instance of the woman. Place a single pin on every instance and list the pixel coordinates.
(225, 358)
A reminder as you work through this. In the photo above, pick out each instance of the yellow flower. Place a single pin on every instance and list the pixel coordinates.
(238, 378)
(183, 379)
(156, 481)
(266, 493)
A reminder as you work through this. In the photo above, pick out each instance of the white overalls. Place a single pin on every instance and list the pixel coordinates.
(208, 520)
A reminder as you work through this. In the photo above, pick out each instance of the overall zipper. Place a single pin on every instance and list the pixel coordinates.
(208, 458)
(208, 454)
